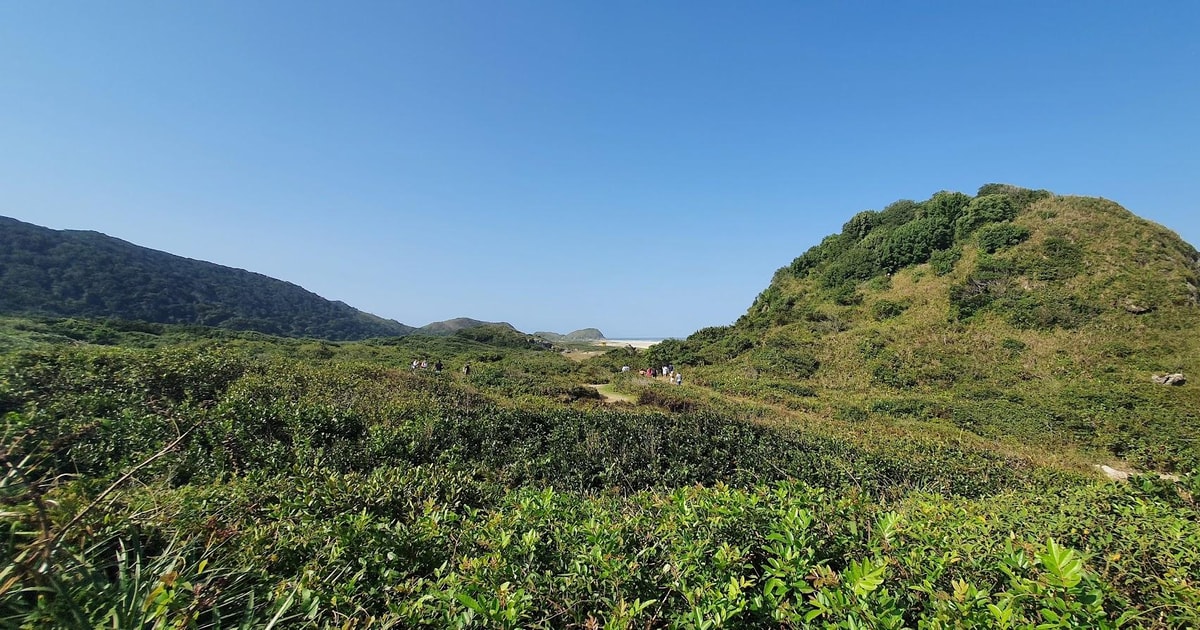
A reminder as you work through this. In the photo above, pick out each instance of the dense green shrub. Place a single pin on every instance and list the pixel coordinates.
(791, 362)
(945, 206)
(727, 348)
(1015, 346)
(1056, 259)
(898, 213)
(992, 277)
(879, 283)
(772, 307)
(793, 388)
(902, 234)
(993, 238)
(982, 211)
(1044, 309)
(855, 264)
(887, 309)
(846, 295)
(829, 247)
(906, 407)
(997, 189)
(672, 352)
(943, 261)
(913, 242)
(991, 286)
(861, 224)
(1020, 197)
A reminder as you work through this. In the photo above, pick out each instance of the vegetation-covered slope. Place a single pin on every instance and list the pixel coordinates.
(876, 444)
(345, 490)
(1015, 315)
(451, 326)
(584, 334)
(87, 274)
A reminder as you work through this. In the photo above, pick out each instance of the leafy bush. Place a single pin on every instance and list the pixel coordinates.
(792, 362)
(855, 264)
(943, 261)
(906, 407)
(993, 238)
(861, 224)
(707, 346)
(913, 242)
(991, 278)
(847, 295)
(1020, 197)
(887, 309)
(1015, 346)
(828, 248)
(898, 213)
(1044, 309)
(982, 211)
(793, 388)
(944, 206)
(1057, 259)
(879, 283)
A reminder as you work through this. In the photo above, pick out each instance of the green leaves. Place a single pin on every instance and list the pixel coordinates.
(1064, 567)
(864, 577)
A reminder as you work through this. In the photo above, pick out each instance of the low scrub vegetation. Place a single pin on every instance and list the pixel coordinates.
(900, 432)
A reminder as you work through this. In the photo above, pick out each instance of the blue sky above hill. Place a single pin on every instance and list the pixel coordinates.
(638, 167)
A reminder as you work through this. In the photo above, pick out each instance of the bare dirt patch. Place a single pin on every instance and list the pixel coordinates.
(612, 396)
(580, 355)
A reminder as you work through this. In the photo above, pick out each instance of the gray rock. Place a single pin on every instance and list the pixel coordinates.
(1113, 473)
(1169, 379)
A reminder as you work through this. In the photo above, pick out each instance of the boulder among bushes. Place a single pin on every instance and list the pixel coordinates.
(1169, 379)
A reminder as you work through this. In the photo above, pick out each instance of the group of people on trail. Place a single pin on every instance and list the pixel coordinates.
(666, 371)
(423, 364)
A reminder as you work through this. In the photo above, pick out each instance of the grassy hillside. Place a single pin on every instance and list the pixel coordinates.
(1047, 336)
(87, 274)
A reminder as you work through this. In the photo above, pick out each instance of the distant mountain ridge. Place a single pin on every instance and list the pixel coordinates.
(74, 273)
(451, 326)
(583, 334)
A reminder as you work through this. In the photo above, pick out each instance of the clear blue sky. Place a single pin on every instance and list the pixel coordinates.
(641, 167)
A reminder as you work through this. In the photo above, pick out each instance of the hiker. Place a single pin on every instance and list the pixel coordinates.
(467, 370)
(415, 363)
(624, 368)
(437, 366)
(679, 378)
(424, 364)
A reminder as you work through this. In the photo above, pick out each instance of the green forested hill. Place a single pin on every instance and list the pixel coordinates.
(87, 274)
(1013, 315)
(452, 326)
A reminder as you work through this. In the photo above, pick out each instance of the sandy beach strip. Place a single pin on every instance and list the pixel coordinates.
(640, 344)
